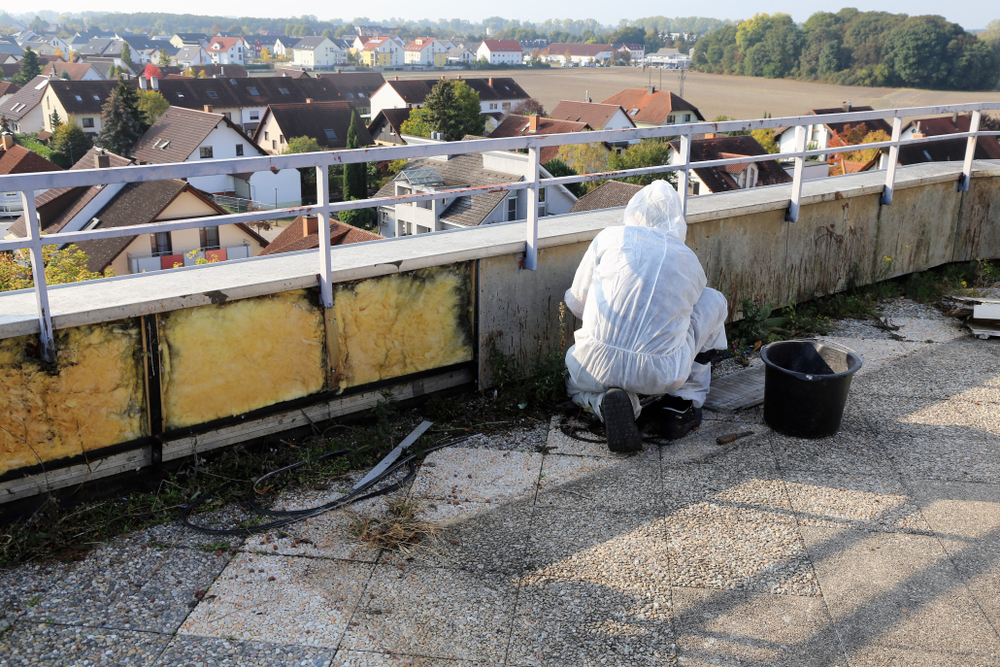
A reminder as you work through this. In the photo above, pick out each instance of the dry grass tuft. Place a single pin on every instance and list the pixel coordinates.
(398, 529)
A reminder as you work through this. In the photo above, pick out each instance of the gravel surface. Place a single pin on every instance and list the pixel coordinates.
(47, 645)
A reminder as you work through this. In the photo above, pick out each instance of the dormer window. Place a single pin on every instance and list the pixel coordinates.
(213, 94)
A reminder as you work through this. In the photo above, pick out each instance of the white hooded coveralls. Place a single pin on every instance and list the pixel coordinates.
(646, 310)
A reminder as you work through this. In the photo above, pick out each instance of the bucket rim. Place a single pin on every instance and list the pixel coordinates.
(813, 377)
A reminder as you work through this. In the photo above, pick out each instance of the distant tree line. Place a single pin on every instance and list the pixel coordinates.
(853, 48)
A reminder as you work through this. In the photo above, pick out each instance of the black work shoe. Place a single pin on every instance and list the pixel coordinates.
(619, 422)
(677, 417)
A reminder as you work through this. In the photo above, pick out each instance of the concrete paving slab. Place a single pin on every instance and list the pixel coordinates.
(747, 495)
(23, 588)
(478, 475)
(939, 372)
(443, 613)
(700, 446)
(897, 591)
(281, 599)
(131, 588)
(186, 650)
(372, 659)
(586, 443)
(265, 654)
(877, 656)
(749, 629)
(866, 502)
(589, 484)
(584, 622)
(966, 518)
(719, 550)
(944, 453)
(852, 449)
(50, 645)
(877, 354)
(514, 439)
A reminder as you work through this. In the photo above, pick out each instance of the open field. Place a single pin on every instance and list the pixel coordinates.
(715, 94)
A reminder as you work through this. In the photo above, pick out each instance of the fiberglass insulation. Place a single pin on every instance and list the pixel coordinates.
(406, 323)
(91, 397)
(228, 359)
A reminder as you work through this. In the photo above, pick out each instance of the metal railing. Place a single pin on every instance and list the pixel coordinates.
(322, 161)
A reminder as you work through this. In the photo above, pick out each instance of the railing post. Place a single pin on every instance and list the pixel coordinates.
(531, 248)
(792, 215)
(684, 177)
(970, 151)
(46, 338)
(323, 228)
(890, 170)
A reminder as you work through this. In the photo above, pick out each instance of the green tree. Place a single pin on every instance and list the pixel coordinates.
(646, 153)
(359, 217)
(127, 55)
(54, 119)
(70, 140)
(585, 159)
(121, 121)
(765, 138)
(30, 68)
(151, 105)
(164, 59)
(62, 265)
(451, 108)
(307, 175)
(558, 168)
(355, 175)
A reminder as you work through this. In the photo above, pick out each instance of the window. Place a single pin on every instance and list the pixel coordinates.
(253, 91)
(159, 243)
(87, 122)
(213, 94)
(274, 145)
(205, 152)
(233, 81)
(350, 95)
(209, 238)
(181, 95)
(78, 98)
(687, 118)
(266, 135)
(512, 208)
(255, 115)
(281, 138)
(541, 202)
(283, 91)
(506, 105)
(239, 150)
(97, 98)
(330, 135)
(361, 94)
(228, 115)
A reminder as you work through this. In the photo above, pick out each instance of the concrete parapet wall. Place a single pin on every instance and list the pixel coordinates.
(158, 366)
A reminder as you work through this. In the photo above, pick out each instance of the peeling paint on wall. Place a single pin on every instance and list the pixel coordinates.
(92, 396)
(228, 359)
(401, 324)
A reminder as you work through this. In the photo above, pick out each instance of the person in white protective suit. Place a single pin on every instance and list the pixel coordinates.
(650, 324)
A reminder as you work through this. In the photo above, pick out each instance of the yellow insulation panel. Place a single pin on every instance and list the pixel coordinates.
(228, 359)
(91, 397)
(401, 324)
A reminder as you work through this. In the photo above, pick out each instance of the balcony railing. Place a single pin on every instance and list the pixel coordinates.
(27, 184)
(160, 261)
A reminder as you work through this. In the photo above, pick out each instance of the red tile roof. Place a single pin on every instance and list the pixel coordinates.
(591, 113)
(225, 43)
(644, 105)
(419, 44)
(19, 160)
(498, 45)
(610, 194)
(301, 236)
(519, 126)
(720, 179)
(8, 88)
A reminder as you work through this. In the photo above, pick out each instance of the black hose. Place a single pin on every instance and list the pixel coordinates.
(291, 516)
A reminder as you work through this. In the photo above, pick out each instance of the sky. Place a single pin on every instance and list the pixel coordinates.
(970, 15)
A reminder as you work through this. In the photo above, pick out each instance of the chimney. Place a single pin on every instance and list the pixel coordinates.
(533, 123)
(309, 100)
(8, 141)
(459, 77)
(491, 82)
(154, 83)
(310, 225)
(652, 89)
(338, 71)
(142, 83)
(709, 135)
(847, 105)
(222, 71)
(208, 108)
(102, 160)
(395, 78)
(918, 135)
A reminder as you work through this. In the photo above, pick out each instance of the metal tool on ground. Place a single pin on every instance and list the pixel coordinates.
(732, 437)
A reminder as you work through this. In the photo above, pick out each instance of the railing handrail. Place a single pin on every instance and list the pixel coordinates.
(322, 161)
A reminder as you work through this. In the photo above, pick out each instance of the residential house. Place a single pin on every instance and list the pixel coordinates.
(497, 95)
(23, 110)
(58, 44)
(426, 52)
(459, 55)
(140, 44)
(987, 148)
(228, 50)
(500, 52)
(444, 173)
(356, 87)
(730, 177)
(41, 48)
(73, 71)
(577, 54)
(186, 135)
(22, 36)
(79, 102)
(10, 48)
(165, 52)
(514, 125)
(326, 122)
(633, 53)
(243, 100)
(303, 234)
(648, 107)
(597, 116)
(10, 70)
(119, 205)
(669, 58)
(15, 159)
(609, 194)
(110, 50)
(7, 89)
(292, 73)
(820, 134)
(104, 68)
(359, 41)
(381, 51)
(182, 39)
(318, 53)
(283, 47)
(219, 71)
(190, 55)
(386, 127)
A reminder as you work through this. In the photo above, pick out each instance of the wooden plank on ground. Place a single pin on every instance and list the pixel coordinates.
(744, 389)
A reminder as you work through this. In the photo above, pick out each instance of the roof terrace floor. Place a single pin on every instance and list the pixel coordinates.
(878, 546)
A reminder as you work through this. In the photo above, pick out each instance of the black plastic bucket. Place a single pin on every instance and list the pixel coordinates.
(805, 386)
